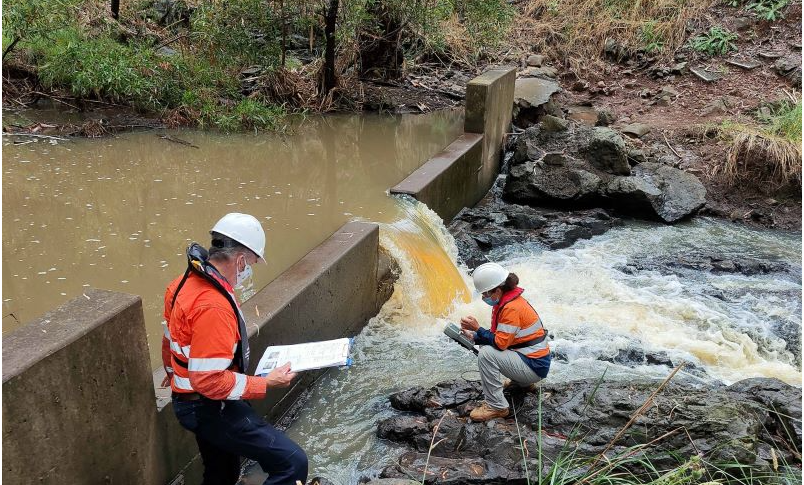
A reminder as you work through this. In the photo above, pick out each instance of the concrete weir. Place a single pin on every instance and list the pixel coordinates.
(463, 172)
(80, 402)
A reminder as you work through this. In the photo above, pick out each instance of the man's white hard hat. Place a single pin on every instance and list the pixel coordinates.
(243, 228)
(488, 276)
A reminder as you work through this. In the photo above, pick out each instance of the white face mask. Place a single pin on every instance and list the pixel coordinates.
(243, 276)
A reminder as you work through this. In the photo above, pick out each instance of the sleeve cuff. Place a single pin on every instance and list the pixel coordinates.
(255, 387)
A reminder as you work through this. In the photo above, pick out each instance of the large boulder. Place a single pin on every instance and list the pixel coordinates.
(588, 167)
(657, 190)
(606, 151)
(547, 183)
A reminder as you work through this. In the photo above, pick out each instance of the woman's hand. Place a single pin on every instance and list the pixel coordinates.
(469, 323)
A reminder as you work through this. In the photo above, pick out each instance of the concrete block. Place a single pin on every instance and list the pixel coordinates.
(77, 395)
(489, 105)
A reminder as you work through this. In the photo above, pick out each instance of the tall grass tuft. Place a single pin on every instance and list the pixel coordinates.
(765, 155)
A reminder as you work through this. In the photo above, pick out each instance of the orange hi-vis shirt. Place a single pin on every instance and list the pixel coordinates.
(515, 323)
(200, 341)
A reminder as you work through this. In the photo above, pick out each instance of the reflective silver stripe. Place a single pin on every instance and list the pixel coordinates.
(502, 327)
(167, 330)
(234, 348)
(169, 369)
(524, 332)
(239, 387)
(532, 348)
(208, 364)
(182, 383)
(175, 347)
(186, 351)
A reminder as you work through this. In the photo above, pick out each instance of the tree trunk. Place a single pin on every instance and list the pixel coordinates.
(330, 81)
(284, 30)
(10, 46)
(115, 9)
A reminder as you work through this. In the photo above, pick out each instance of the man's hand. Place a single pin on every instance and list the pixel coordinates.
(280, 377)
(166, 380)
(469, 334)
(469, 323)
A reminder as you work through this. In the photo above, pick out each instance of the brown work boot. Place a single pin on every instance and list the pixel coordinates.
(508, 384)
(486, 413)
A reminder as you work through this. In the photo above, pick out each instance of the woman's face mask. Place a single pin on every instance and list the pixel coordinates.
(490, 300)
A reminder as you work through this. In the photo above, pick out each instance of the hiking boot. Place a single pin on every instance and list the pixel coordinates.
(509, 384)
(486, 413)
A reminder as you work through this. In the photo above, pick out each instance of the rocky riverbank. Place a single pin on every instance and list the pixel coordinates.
(755, 423)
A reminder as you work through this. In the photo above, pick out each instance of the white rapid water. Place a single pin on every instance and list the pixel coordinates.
(729, 326)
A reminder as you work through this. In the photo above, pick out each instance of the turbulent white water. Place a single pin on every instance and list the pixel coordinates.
(728, 326)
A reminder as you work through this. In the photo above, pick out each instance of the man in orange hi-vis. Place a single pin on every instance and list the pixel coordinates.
(515, 346)
(205, 354)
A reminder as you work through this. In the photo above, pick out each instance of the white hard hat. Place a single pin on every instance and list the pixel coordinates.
(243, 228)
(488, 276)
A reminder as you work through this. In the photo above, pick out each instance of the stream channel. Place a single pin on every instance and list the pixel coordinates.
(117, 214)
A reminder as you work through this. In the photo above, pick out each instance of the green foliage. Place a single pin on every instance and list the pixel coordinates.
(717, 41)
(651, 39)
(784, 120)
(37, 19)
(770, 10)
(243, 32)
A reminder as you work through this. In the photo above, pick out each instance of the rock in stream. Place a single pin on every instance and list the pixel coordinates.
(748, 422)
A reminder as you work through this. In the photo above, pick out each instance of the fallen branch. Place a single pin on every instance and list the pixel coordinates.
(637, 414)
(178, 140)
(54, 98)
(37, 136)
(670, 147)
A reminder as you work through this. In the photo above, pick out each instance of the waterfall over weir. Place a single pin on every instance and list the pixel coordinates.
(599, 298)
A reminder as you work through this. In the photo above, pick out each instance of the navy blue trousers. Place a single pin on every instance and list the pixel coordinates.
(227, 430)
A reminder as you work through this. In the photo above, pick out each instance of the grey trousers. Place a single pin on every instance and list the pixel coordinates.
(494, 364)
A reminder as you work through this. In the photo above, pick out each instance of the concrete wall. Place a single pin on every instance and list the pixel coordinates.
(443, 182)
(78, 391)
(461, 175)
(77, 394)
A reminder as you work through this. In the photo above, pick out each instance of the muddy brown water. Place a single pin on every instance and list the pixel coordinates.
(118, 213)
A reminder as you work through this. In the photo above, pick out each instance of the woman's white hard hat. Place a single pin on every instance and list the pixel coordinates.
(488, 276)
(245, 229)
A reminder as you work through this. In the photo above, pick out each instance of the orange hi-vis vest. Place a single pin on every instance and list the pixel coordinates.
(202, 345)
(517, 326)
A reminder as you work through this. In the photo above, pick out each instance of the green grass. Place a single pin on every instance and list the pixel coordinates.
(784, 121)
(135, 75)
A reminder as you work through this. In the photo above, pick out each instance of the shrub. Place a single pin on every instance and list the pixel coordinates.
(717, 41)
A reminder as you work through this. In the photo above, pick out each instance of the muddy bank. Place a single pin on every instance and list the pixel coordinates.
(755, 423)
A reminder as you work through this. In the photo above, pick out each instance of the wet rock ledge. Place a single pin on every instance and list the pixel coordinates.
(755, 422)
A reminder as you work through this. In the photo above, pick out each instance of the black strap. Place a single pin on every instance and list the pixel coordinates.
(178, 288)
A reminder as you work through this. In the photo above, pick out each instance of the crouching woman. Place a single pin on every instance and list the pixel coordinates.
(516, 345)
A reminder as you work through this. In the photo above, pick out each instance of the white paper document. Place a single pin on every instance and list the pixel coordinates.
(313, 355)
